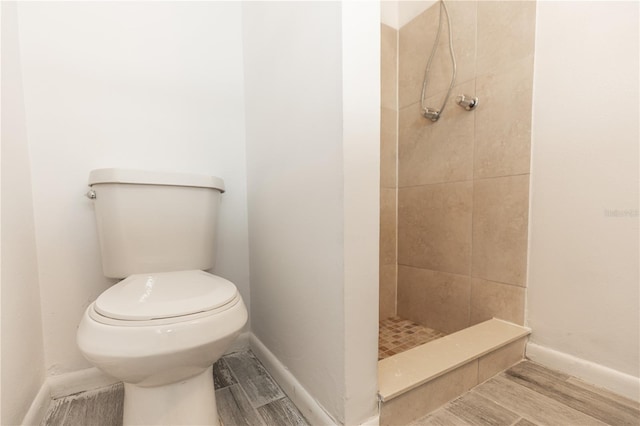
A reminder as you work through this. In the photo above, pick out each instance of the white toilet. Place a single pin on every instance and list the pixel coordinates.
(161, 328)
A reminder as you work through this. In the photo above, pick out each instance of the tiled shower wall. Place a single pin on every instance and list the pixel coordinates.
(388, 170)
(463, 182)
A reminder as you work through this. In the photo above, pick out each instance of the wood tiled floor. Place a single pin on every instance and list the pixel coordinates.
(525, 395)
(245, 393)
(529, 394)
(397, 335)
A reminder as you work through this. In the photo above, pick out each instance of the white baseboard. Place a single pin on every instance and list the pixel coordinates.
(596, 374)
(301, 398)
(78, 381)
(373, 421)
(63, 385)
(39, 406)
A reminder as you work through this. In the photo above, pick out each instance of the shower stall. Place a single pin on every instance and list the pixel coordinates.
(454, 194)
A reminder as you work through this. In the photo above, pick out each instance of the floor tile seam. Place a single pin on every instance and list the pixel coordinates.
(268, 375)
(481, 396)
(442, 408)
(462, 421)
(233, 373)
(255, 409)
(242, 389)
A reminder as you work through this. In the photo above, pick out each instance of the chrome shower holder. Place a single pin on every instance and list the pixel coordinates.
(431, 114)
(467, 102)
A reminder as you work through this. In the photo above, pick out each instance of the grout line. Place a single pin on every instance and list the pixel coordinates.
(461, 275)
(434, 183)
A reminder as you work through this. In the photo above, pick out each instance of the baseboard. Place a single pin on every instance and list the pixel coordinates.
(302, 399)
(63, 385)
(39, 406)
(596, 374)
(78, 381)
(373, 421)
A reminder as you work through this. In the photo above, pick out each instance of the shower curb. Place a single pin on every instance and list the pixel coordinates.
(420, 380)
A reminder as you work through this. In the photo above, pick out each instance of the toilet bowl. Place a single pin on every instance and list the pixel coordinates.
(160, 334)
(162, 327)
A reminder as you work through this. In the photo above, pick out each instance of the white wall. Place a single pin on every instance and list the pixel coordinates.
(583, 295)
(397, 13)
(22, 352)
(155, 85)
(305, 274)
(361, 169)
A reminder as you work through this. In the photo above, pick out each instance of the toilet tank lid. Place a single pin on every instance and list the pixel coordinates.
(148, 177)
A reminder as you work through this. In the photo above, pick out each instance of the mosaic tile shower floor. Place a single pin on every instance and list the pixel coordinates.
(398, 335)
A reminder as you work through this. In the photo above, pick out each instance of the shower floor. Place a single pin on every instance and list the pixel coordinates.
(398, 335)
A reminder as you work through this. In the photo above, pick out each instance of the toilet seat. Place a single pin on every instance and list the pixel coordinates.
(162, 298)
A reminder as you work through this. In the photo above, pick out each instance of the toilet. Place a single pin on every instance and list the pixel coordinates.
(160, 329)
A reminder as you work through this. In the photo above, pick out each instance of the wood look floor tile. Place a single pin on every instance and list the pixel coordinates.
(245, 394)
(222, 376)
(441, 417)
(532, 405)
(235, 409)
(531, 395)
(478, 410)
(254, 379)
(98, 408)
(282, 413)
(608, 394)
(56, 413)
(587, 401)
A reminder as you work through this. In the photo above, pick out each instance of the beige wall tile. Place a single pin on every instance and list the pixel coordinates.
(412, 293)
(388, 227)
(434, 227)
(503, 121)
(501, 359)
(415, 44)
(436, 152)
(496, 300)
(435, 299)
(388, 67)
(388, 147)
(387, 302)
(429, 396)
(506, 33)
(500, 220)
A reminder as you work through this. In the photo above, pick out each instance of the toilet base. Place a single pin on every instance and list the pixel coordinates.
(187, 402)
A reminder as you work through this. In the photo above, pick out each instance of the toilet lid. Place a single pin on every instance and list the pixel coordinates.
(146, 297)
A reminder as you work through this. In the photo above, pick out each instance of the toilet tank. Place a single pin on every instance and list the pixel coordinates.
(154, 221)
